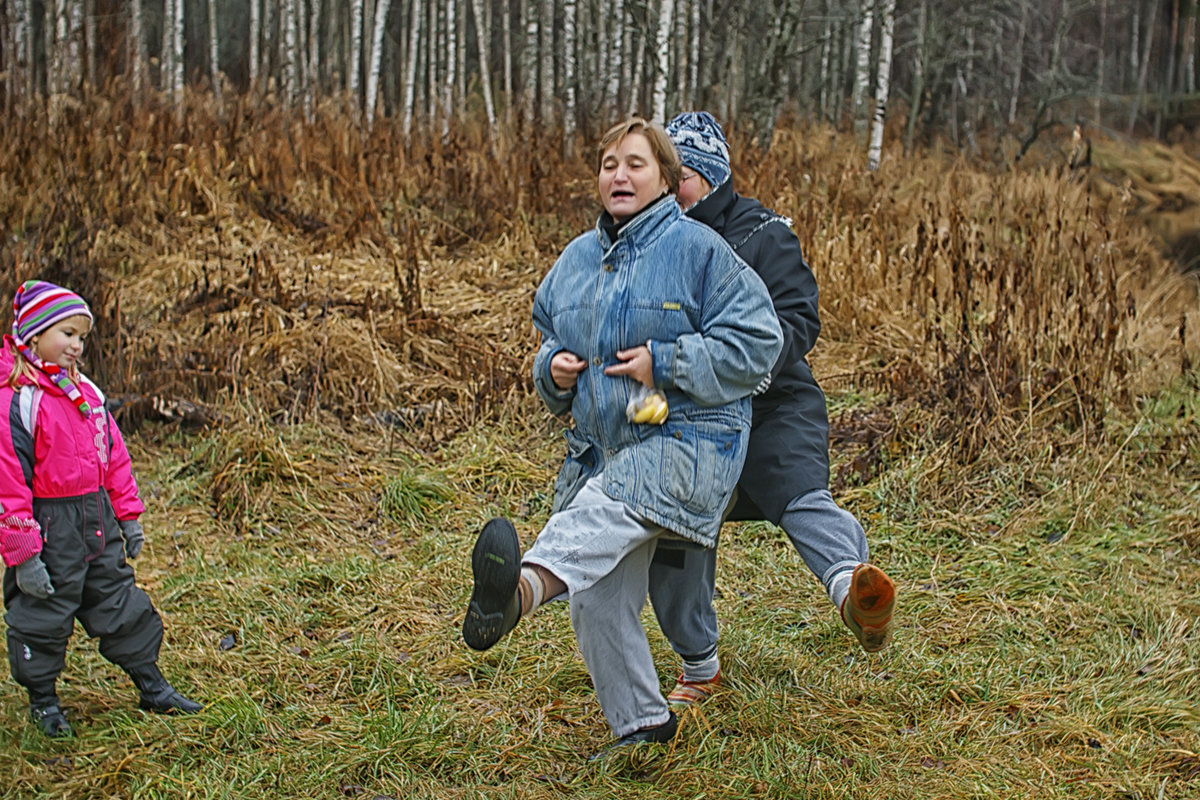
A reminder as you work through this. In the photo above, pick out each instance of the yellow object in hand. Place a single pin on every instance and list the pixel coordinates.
(652, 411)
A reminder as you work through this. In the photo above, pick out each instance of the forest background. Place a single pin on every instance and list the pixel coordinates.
(311, 231)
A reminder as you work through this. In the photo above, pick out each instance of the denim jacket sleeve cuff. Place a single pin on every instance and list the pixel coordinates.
(662, 355)
(548, 385)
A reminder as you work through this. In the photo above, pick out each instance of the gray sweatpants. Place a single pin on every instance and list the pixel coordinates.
(682, 578)
(602, 551)
(84, 554)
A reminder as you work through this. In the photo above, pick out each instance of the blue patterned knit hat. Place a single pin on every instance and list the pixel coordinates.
(701, 145)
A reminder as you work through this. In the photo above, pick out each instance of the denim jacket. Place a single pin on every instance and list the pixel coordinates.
(673, 284)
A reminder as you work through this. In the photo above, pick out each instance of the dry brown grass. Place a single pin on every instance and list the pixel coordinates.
(244, 254)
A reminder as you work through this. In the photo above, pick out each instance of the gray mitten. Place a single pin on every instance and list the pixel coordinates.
(32, 578)
(131, 529)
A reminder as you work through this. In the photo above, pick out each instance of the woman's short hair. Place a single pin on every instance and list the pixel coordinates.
(661, 147)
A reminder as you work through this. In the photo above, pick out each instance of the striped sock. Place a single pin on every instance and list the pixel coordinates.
(532, 590)
(703, 670)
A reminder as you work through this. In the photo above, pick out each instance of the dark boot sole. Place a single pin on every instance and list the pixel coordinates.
(496, 568)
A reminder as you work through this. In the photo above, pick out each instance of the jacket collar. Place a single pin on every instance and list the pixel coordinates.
(713, 208)
(643, 227)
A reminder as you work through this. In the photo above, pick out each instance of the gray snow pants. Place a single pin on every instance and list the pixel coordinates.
(683, 576)
(84, 554)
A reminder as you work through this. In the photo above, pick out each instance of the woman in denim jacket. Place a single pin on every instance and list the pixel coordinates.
(649, 300)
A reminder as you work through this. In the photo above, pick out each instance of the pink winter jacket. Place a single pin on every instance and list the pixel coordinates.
(65, 455)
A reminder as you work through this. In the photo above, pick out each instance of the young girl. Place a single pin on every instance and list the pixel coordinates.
(68, 513)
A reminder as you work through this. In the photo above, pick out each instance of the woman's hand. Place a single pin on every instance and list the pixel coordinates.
(565, 368)
(637, 363)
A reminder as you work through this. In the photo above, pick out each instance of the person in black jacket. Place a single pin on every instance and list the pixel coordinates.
(786, 476)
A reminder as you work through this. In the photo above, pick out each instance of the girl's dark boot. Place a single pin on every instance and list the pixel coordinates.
(157, 694)
(46, 713)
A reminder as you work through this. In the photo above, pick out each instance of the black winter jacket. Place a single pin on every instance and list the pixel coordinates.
(789, 441)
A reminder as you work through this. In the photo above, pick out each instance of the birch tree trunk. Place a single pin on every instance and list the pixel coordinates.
(529, 56)
(1187, 79)
(89, 40)
(451, 35)
(76, 68)
(214, 62)
(300, 91)
(881, 82)
(460, 64)
(177, 57)
(137, 49)
(451, 59)
(430, 57)
(410, 72)
(255, 37)
(269, 59)
(312, 62)
(485, 62)
(56, 35)
(679, 54)
(569, 70)
(694, 71)
(615, 47)
(287, 51)
(628, 71)
(546, 59)
(381, 13)
(862, 74)
(1100, 58)
(165, 50)
(658, 104)
(354, 57)
(507, 42)
(824, 82)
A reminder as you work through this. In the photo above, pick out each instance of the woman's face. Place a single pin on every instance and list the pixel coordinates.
(692, 188)
(62, 342)
(630, 178)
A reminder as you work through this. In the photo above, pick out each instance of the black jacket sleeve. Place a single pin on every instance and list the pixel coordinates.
(774, 252)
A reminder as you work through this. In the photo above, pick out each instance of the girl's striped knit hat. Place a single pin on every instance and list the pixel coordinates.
(37, 306)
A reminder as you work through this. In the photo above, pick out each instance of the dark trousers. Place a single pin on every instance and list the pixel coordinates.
(84, 554)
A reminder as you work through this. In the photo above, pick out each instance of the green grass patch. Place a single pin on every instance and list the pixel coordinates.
(1040, 651)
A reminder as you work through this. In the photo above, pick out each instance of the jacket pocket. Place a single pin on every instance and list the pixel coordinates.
(699, 465)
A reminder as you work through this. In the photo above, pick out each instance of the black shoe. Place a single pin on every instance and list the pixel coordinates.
(158, 695)
(659, 733)
(50, 720)
(168, 700)
(496, 566)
